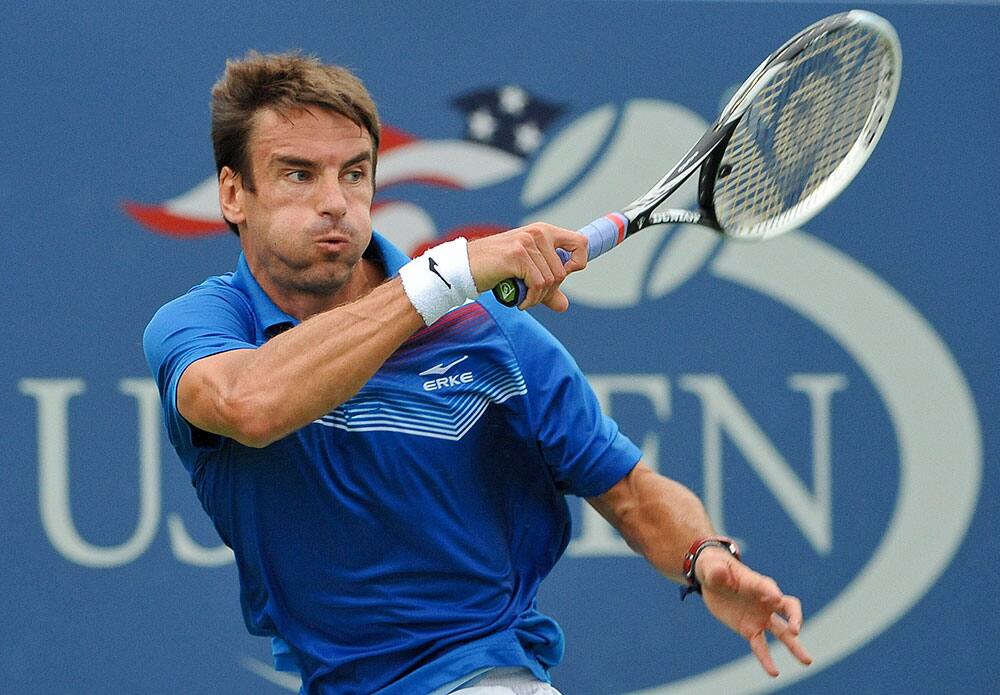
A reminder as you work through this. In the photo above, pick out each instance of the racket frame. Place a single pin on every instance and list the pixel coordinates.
(709, 152)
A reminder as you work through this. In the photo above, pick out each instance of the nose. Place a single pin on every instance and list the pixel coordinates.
(330, 198)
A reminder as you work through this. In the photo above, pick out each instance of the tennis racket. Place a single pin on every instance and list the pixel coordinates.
(788, 142)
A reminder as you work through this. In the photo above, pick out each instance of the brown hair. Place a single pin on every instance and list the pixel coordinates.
(281, 81)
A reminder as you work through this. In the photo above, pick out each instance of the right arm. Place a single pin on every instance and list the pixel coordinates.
(256, 396)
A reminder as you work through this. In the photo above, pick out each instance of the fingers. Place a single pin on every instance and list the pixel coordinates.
(786, 628)
(545, 272)
(529, 253)
(758, 645)
(557, 301)
(789, 636)
(791, 609)
(785, 623)
(578, 250)
(548, 270)
(752, 604)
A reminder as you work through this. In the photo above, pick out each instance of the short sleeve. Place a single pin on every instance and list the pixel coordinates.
(585, 450)
(209, 319)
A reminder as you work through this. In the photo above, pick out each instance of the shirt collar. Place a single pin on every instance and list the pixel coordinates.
(384, 252)
(273, 320)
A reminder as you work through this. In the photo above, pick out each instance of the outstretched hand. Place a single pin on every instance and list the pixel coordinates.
(751, 605)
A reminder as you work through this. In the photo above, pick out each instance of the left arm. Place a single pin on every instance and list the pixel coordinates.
(660, 519)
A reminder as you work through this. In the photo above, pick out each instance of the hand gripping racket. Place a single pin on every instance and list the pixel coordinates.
(788, 142)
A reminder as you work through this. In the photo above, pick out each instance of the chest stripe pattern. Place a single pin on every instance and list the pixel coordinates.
(396, 410)
(445, 410)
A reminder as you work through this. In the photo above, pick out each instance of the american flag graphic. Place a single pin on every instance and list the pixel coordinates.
(504, 126)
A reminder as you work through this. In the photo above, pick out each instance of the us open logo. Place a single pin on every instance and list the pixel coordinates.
(607, 156)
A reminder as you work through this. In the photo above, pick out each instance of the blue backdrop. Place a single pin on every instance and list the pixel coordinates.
(832, 394)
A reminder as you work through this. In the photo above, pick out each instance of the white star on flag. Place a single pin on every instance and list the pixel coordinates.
(513, 99)
(527, 137)
(508, 117)
(482, 125)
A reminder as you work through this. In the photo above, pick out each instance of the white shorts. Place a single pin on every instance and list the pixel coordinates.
(508, 681)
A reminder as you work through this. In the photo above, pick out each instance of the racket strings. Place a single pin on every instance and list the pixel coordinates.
(799, 130)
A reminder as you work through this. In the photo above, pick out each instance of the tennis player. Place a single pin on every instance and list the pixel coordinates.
(386, 451)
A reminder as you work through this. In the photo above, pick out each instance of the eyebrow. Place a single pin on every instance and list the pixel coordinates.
(301, 162)
(365, 156)
(305, 163)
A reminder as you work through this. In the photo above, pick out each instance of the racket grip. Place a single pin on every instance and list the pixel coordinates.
(603, 234)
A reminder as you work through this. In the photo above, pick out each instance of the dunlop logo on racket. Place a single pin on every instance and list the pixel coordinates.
(792, 137)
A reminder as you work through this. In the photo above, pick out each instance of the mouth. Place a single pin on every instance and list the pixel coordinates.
(333, 244)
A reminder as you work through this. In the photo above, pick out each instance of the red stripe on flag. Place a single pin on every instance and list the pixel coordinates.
(160, 220)
(392, 138)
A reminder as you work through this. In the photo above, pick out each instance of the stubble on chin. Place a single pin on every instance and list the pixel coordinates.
(318, 274)
(323, 279)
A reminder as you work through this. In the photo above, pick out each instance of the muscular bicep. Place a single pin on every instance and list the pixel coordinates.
(206, 393)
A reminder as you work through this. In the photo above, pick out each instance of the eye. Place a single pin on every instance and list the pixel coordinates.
(299, 176)
(354, 176)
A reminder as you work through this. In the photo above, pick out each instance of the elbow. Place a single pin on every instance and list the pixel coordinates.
(255, 439)
(250, 420)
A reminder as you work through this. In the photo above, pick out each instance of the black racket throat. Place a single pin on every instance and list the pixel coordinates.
(711, 150)
(712, 169)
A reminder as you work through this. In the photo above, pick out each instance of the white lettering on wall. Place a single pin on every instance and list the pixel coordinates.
(723, 413)
(722, 416)
(52, 397)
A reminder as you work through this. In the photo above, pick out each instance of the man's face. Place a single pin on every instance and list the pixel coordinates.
(308, 221)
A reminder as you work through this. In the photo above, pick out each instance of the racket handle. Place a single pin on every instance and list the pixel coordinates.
(603, 234)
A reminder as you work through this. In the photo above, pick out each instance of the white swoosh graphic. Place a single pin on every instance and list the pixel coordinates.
(936, 425)
(466, 164)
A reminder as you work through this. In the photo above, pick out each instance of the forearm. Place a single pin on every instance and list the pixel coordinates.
(659, 518)
(309, 370)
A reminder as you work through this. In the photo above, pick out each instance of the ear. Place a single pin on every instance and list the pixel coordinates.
(231, 196)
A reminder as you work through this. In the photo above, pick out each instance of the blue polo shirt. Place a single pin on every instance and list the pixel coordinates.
(397, 543)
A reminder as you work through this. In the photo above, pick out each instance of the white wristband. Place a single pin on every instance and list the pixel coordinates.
(439, 280)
